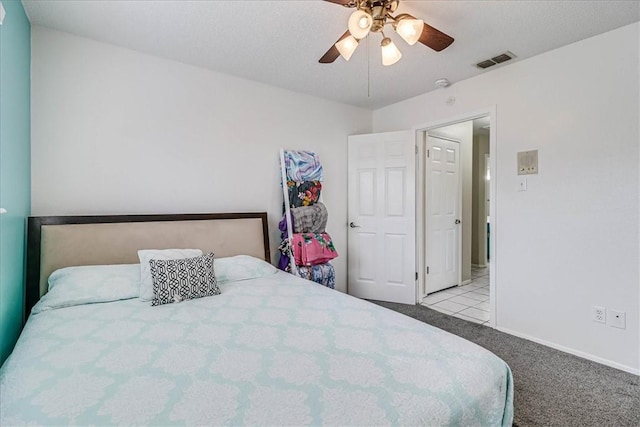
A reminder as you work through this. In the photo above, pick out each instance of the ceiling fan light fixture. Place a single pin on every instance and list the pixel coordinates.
(347, 46)
(390, 53)
(372, 16)
(410, 30)
(360, 23)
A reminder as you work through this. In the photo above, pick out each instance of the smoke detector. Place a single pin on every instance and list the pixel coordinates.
(442, 83)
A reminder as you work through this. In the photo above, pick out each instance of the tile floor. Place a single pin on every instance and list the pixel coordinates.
(469, 302)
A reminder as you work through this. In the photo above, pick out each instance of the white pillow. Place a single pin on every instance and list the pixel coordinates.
(90, 284)
(146, 281)
(241, 267)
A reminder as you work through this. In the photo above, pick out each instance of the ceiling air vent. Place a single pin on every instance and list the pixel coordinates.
(485, 64)
(503, 57)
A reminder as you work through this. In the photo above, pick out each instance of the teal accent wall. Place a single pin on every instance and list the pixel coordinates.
(15, 167)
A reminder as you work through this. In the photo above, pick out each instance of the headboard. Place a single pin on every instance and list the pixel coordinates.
(62, 241)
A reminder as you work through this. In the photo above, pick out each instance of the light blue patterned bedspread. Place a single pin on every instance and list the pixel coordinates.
(271, 351)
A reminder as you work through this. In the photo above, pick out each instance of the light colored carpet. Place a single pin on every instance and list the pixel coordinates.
(552, 388)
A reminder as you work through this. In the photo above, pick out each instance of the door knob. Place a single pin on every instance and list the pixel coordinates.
(457, 221)
(352, 225)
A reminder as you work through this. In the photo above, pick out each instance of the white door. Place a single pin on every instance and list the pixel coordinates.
(442, 207)
(381, 215)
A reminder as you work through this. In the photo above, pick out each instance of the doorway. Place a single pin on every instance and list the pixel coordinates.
(469, 297)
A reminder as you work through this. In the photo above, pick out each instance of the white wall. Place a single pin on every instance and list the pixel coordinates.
(571, 241)
(116, 131)
(479, 200)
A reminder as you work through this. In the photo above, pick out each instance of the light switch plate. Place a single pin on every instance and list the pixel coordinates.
(528, 162)
(617, 319)
(3, 13)
(522, 183)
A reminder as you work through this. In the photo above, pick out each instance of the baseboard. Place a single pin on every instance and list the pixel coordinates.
(479, 265)
(572, 351)
(466, 282)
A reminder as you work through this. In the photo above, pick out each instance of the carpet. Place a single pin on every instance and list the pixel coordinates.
(551, 388)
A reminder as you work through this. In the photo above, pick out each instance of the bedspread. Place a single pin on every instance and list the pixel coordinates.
(276, 350)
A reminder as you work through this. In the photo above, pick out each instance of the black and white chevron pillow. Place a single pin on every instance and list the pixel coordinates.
(176, 280)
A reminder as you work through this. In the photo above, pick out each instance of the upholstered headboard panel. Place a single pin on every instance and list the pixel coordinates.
(57, 242)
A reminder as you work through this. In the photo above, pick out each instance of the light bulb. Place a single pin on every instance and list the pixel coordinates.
(410, 30)
(347, 46)
(390, 53)
(359, 24)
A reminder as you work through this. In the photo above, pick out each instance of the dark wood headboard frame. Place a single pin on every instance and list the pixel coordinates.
(34, 228)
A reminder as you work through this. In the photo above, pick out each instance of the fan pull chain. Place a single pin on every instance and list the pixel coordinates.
(368, 71)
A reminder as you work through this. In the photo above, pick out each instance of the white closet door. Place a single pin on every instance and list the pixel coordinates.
(442, 214)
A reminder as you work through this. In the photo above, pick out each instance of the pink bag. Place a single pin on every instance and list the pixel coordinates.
(313, 249)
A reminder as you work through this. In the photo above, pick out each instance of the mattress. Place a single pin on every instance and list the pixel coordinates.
(275, 350)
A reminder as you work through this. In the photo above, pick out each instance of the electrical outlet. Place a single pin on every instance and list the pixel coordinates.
(598, 314)
(618, 319)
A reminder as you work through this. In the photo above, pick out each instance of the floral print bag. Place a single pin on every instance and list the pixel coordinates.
(313, 249)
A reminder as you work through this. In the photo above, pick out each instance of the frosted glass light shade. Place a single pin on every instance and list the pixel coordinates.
(410, 30)
(360, 23)
(347, 46)
(390, 53)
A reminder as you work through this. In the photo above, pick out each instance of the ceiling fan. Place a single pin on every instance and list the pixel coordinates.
(372, 16)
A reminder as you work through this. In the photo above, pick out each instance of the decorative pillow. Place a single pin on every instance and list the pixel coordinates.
(241, 267)
(176, 280)
(146, 283)
(90, 284)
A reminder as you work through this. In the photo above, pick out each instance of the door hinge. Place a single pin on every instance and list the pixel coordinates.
(427, 153)
(416, 275)
(416, 149)
(427, 270)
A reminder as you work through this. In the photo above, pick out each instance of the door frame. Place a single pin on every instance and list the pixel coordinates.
(485, 205)
(420, 135)
(421, 244)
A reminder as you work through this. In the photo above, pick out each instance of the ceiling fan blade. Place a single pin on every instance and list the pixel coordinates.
(332, 54)
(431, 37)
(346, 3)
(434, 38)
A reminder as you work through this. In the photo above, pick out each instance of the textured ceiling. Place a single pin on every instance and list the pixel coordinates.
(280, 42)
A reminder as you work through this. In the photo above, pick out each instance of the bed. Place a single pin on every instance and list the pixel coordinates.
(270, 349)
